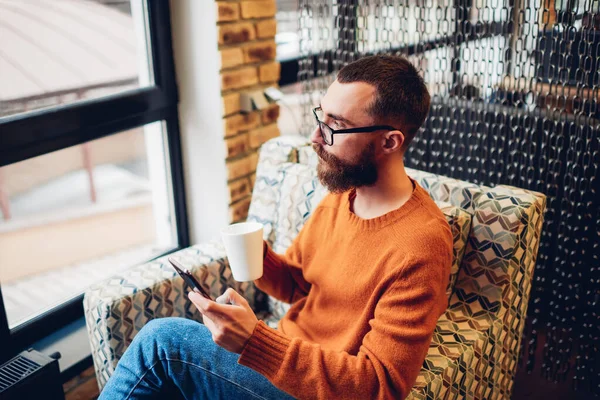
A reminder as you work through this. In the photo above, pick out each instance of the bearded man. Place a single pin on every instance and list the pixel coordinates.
(366, 276)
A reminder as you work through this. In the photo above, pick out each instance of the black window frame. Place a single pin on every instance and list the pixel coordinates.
(28, 135)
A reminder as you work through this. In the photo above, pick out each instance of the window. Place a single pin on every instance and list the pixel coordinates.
(382, 27)
(90, 168)
(59, 52)
(287, 39)
(87, 211)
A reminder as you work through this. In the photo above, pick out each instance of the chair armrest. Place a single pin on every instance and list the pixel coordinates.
(463, 346)
(116, 309)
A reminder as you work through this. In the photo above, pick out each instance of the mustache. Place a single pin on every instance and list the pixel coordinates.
(340, 175)
(323, 154)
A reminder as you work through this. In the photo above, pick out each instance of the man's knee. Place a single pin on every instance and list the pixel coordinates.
(171, 338)
(161, 326)
(167, 327)
(171, 330)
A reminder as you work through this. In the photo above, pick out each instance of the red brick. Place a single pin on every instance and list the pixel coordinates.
(239, 78)
(241, 167)
(269, 72)
(261, 51)
(258, 9)
(239, 189)
(228, 12)
(270, 115)
(237, 145)
(239, 211)
(236, 33)
(231, 103)
(266, 29)
(231, 57)
(261, 135)
(241, 122)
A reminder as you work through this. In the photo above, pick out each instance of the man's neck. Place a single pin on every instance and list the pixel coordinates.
(392, 190)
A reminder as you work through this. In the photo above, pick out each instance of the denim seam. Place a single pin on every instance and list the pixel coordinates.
(197, 366)
(140, 379)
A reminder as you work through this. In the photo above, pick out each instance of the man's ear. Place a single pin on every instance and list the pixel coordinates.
(393, 141)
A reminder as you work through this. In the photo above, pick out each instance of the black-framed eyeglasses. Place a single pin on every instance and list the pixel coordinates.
(327, 132)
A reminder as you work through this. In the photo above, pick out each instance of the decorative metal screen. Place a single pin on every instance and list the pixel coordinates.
(515, 92)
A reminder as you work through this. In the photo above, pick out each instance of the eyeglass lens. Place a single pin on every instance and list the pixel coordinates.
(326, 133)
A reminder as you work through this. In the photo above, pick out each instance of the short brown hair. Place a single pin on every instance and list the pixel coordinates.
(402, 97)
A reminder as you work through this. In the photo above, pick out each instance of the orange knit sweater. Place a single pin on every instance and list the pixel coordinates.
(366, 297)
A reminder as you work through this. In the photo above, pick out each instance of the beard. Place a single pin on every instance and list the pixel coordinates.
(339, 176)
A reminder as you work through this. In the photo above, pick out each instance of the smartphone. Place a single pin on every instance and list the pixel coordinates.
(189, 278)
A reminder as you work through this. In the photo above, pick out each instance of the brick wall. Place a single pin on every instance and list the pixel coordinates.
(246, 38)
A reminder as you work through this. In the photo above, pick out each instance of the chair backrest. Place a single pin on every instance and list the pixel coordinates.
(496, 270)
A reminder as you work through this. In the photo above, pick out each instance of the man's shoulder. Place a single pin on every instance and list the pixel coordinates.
(433, 217)
(429, 230)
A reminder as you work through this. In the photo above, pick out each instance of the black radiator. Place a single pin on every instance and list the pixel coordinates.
(31, 375)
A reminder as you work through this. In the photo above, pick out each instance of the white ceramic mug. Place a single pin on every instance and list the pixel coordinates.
(244, 246)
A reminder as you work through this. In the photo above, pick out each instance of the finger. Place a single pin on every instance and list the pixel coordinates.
(223, 299)
(204, 305)
(197, 299)
(213, 310)
(215, 331)
(237, 299)
(212, 327)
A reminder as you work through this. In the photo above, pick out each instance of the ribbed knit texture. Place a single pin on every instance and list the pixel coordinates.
(366, 297)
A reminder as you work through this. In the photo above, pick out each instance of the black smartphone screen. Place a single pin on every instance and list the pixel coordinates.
(189, 278)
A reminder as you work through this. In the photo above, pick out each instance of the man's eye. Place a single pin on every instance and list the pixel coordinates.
(338, 124)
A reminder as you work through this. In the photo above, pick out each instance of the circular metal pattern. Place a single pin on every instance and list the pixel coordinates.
(515, 100)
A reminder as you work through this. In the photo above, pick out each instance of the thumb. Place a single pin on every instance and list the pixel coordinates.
(231, 297)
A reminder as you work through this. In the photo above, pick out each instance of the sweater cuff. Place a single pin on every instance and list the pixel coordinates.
(265, 249)
(270, 258)
(265, 350)
(271, 263)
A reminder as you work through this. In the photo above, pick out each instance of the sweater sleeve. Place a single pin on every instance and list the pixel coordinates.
(389, 358)
(282, 274)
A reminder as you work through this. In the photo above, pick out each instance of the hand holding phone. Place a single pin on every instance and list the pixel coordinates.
(189, 278)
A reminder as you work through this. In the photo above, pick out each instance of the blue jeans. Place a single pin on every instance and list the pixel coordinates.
(176, 358)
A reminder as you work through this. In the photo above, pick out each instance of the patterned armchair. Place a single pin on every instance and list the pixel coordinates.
(475, 345)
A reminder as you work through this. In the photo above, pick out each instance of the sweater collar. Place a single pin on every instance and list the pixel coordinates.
(411, 204)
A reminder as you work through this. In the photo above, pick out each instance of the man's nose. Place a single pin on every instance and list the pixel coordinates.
(316, 137)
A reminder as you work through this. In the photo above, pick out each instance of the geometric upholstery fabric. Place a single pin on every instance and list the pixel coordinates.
(458, 193)
(266, 193)
(301, 192)
(460, 226)
(475, 345)
(489, 304)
